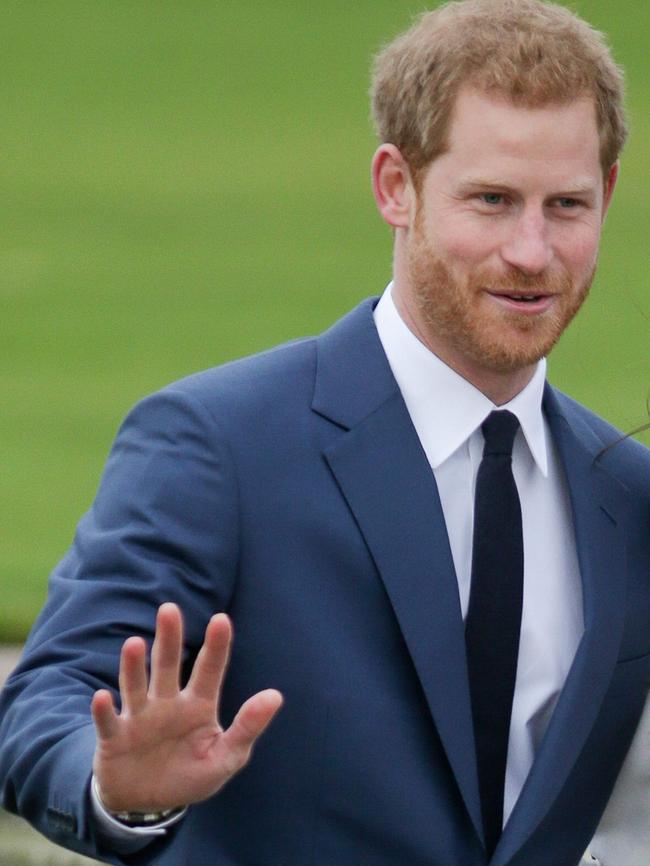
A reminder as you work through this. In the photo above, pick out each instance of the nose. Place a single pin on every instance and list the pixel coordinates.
(527, 246)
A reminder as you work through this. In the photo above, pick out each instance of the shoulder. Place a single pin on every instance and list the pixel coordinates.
(255, 379)
(578, 415)
(279, 381)
(616, 451)
(228, 403)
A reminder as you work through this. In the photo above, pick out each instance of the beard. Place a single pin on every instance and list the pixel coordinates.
(456, 314)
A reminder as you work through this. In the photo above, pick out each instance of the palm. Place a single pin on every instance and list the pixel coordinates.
(166, 747)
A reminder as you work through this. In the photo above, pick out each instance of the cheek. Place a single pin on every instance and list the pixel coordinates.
(578, 251)
(465, 247)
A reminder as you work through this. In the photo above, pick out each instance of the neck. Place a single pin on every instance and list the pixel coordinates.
(499, 386)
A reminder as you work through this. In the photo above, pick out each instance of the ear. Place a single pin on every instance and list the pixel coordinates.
(392, 186)
(610, 183)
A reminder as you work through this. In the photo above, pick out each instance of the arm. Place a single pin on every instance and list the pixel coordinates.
(164, 527)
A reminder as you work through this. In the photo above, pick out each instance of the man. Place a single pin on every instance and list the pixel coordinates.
(340, 498)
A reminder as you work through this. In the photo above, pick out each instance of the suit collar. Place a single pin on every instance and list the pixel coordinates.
(353, 376)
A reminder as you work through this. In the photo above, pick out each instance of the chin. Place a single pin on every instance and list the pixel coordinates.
(509, 355)
(521, 341)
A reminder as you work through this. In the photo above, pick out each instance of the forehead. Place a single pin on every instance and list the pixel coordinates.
(553, 143)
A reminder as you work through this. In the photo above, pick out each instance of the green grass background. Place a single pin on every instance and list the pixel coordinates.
(184, 183)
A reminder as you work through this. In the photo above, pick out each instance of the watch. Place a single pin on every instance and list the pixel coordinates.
(138, 819)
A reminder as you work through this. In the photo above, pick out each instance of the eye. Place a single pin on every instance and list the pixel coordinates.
(567, 203)
(493, 198)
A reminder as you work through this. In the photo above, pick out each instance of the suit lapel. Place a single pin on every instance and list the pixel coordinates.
(596, 506)
(388, 484)
(390, 489)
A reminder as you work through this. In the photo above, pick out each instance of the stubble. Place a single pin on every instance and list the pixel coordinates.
(455, 312)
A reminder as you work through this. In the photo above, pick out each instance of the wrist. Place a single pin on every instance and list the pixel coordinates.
(136, 818)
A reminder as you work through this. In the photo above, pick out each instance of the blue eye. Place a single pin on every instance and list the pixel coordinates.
(492, 197)
(566, 202)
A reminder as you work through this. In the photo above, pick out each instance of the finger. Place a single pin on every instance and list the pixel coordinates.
(104, 714)
(251, 721)
(166, 652)
(133, 675)
(212, 660)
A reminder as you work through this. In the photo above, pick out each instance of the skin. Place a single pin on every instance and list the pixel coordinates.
(166, 747)
(515, 206)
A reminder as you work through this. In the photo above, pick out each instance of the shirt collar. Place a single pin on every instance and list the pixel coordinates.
(427, 384)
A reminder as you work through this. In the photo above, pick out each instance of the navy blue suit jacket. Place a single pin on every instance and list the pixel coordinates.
(291, 490)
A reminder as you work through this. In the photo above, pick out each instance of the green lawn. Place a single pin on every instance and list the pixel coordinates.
(186, 183)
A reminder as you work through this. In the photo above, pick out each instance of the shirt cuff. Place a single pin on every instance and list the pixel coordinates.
(113, 829)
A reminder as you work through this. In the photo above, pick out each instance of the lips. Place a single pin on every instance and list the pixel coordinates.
(530, 304)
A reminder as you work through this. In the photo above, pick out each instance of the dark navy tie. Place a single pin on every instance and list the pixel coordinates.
(494, 616)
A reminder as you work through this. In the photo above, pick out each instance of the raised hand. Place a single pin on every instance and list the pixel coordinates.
(166, 747)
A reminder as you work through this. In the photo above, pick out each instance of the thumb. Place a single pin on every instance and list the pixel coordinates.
(253, 718)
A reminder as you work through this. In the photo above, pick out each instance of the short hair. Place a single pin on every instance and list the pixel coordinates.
(530, 52)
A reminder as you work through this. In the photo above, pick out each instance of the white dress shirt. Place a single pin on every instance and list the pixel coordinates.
(447, 413)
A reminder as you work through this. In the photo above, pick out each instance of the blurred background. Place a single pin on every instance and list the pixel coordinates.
(186, 183)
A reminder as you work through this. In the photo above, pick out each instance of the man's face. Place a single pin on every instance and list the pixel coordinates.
(503, 245)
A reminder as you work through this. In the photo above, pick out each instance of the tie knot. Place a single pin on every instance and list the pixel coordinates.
(499, 430)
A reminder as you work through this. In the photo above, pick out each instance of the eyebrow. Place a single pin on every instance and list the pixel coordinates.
(580, 187)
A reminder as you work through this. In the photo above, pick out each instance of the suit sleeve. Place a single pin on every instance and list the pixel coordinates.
(163, 527)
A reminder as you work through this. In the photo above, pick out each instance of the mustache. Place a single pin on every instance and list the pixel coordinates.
(520, 284)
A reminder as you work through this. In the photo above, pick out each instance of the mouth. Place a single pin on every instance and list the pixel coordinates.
(530, 304)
